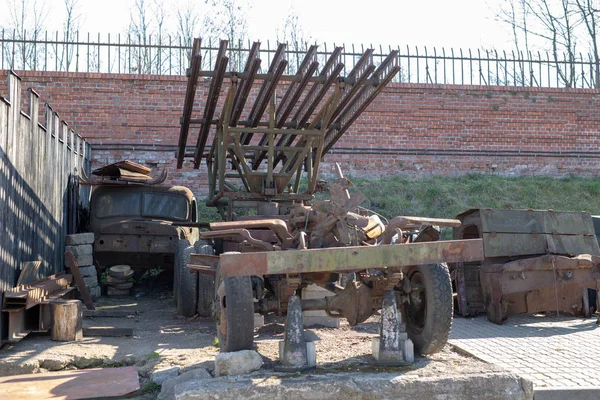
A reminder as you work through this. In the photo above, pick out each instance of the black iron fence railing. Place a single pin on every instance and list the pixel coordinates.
(134, 54)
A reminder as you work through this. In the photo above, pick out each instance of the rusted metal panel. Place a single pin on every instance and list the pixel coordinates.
(523, 244)
(354, 258)
(536, 221)
(545, 283)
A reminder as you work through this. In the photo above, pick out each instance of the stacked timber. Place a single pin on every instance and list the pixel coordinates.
(82, 248)
(119, 281)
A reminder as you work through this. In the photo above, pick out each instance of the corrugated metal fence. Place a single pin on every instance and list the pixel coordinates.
(38, 167)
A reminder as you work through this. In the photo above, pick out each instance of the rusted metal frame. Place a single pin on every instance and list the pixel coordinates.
(32, 294)
(355, 80)
(291, 96)
(292, 164)
(243, 233)
(286, 140)
(238, 158)
(252, 57)
(188, 104)
(289, 78)
(213, 97)
(355, 258)
(267, 89)
(222, 136)
(385, 73)
(281, 117)
(242, 93)
(327, 116)
(323, 117)
(204, 259)
(303, 71)
(292, 197)
(330, 72)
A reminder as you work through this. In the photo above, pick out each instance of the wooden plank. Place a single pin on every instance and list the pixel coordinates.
(108, 313)
(87, 299)
(110, 331)
(67, 385)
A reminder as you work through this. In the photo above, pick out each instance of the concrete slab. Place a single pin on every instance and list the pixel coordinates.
(350, 386)
(558, 353)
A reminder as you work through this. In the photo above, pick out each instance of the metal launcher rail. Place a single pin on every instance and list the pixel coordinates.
(271, 127)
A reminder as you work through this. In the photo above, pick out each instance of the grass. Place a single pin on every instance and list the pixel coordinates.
(152, 355)
(446, 197)
(151, 387)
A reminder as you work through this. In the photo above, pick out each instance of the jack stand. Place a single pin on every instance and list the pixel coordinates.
(393, 347)
(295, 353)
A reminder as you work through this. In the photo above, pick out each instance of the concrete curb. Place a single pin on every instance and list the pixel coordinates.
(350, 386)
(567, 392)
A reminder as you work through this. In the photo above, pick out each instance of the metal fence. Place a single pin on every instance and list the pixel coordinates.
(133, 54)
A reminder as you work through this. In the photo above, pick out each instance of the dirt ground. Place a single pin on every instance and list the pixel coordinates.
(162, 339)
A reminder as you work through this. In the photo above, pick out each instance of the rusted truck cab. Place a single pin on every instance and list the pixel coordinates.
(136, 224)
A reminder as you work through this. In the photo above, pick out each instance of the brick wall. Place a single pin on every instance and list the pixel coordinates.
(410, 130)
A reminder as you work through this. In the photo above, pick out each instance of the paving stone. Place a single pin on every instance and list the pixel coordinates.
(550, 351)
(80, 238)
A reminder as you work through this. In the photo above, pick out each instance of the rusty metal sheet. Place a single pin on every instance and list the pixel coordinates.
(536, 221)
(524, 244)
(349, 258)
(66, 385)
(513, 244)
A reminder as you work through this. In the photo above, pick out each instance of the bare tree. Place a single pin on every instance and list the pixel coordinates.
(554, 22)
(229, 19)
(294, 36)
(71, 26)
(147, 29)
(590, 13)
(195, 20)
(27, 22)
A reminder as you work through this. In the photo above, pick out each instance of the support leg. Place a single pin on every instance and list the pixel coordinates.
(392, 347)
(295, 354)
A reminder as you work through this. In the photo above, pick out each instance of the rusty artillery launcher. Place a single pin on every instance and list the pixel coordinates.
(258, 155)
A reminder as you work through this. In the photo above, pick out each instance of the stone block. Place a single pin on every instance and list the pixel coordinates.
(80, 238)
(163, 374)
(82, 261)
(88, 270)
(311, 353)
(312, 318)
(95, 292)
(259, 321)
(168, 386)
(237, 362)
(81, 250)
(90, 281)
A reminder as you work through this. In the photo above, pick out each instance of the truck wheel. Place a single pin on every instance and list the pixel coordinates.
(429, 313)
(206, 283)
(234, 312)
(177, 257)
(187, 295)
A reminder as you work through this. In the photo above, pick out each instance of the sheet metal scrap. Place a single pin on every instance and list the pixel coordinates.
(265, 143)
(534, 261)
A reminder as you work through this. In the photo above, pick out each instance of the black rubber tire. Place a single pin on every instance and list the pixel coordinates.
(177, 257)
(206, 283)
(429, 325)
(234, 307)
(187, 295)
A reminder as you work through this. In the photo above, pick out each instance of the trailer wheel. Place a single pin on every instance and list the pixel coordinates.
(177, 257)
(187, 295)
(429, 313)
(206, 283)
(234, 312)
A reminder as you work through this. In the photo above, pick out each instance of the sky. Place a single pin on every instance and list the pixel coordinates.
(432, 23)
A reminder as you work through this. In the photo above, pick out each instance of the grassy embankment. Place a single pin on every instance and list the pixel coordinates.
(445, 197)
